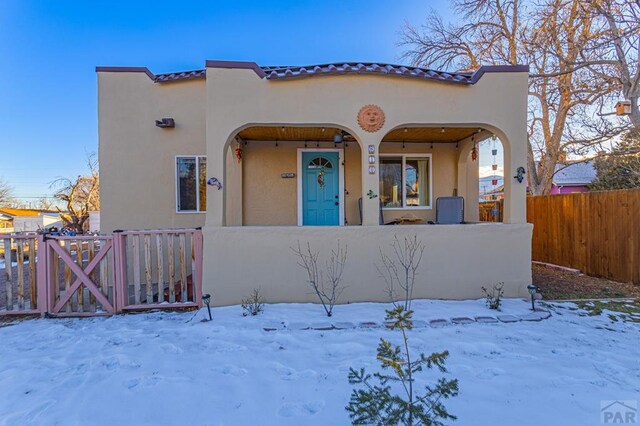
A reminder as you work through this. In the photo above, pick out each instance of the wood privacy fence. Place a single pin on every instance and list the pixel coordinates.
(490, 211)
(595, 232)
(88, 275)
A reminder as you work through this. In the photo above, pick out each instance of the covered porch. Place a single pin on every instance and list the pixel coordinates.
(312, 175)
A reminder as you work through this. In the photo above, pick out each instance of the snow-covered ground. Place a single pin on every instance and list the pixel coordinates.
(172, 369)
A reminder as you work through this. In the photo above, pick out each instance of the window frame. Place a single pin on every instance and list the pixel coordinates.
(404, 157)
(177, 184)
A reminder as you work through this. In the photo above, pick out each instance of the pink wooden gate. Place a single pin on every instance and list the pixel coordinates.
(80, 275)
(88, 275)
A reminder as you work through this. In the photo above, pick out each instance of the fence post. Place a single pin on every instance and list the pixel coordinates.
(120, 273)
(42, 278)
(197, 281)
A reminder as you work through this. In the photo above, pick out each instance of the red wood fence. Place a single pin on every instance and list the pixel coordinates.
(88, 275)
(490, 211)
(595, 232)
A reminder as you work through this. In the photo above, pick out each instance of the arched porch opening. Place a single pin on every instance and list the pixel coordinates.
(491, 179)
(292, 175)
(421, 163)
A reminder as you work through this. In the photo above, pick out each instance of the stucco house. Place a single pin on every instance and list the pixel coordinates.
(262, 157)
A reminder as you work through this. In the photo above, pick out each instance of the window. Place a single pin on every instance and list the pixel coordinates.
(191, 185)
(405, 181)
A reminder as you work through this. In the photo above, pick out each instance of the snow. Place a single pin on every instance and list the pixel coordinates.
(170, 368)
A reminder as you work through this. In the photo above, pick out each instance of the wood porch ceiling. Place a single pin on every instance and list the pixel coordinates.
(410, 134)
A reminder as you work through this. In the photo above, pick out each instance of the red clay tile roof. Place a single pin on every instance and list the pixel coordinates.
(184, 75)
(275, 73)
(290, 72)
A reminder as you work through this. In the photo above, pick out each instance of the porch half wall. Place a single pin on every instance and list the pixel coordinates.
(458, 260)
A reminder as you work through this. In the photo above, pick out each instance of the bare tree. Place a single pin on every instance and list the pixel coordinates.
(552, 36)
(327, 287)
(45, 203)
(619, 49)
(6, 193)
(400, 269)
(79, 196)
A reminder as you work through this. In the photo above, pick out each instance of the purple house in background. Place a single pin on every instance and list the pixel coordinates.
(569, 178)
(573, 178)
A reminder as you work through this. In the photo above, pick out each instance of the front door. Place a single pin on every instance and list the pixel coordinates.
(320, 189)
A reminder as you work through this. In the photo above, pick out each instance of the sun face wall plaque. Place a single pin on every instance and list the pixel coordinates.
(371, 118)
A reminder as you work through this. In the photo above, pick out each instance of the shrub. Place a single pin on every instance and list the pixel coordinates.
(401, 268)
(327, 287)
(253, 305)
(376, 404)
(494, 296)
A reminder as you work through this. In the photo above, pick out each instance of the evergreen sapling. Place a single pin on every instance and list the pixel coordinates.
(375, 402)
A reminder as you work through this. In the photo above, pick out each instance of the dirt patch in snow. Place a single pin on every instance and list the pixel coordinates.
(556, 284)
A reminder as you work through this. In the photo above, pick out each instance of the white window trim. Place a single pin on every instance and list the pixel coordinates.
(404, 157)
(340, 152)
(177, 184)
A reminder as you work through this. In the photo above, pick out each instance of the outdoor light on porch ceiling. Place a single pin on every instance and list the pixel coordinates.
(442, 130)
(337, 138)
(206, 299)
(532, 291)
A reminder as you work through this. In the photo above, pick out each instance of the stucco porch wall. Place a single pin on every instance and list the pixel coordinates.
(458, 260)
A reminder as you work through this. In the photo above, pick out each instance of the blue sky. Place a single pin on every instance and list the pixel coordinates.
(49, 50)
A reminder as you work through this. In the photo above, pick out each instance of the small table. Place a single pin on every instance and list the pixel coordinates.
(410, 220)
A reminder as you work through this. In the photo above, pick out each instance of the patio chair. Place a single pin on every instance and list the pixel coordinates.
(449, 211)
(393, 222)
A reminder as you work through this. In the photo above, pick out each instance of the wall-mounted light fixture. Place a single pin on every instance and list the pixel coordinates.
(166, 123)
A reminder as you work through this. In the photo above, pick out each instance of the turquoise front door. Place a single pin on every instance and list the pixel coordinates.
(320, 189)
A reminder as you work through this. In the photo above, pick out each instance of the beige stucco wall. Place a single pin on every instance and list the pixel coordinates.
(137, 159)
(458, 260)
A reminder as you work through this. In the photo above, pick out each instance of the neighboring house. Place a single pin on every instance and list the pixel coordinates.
(569, 178)
(6, 223)
(265, 157)
(574, 177)
(27, 220)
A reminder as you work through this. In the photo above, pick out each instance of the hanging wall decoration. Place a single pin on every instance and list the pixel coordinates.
(321, 178)
(474, 150)
(239, 152)
(215, 182)
(371, 118)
